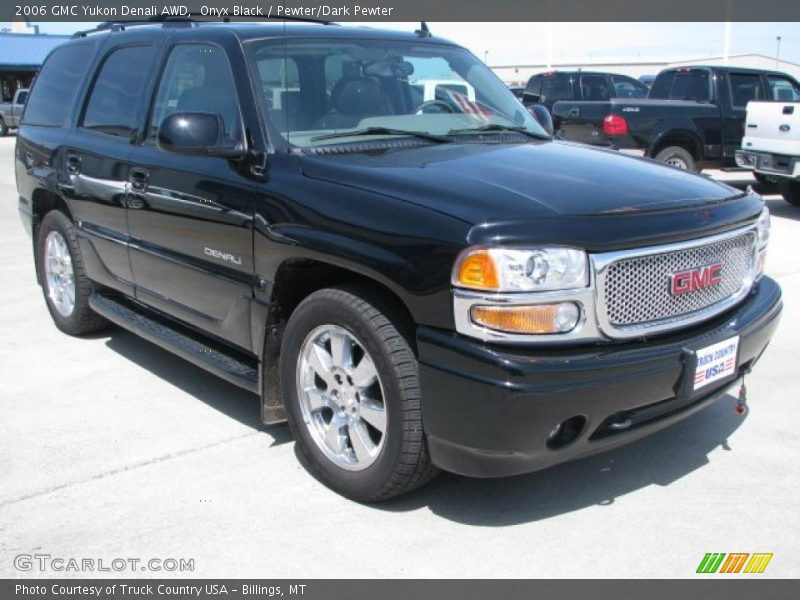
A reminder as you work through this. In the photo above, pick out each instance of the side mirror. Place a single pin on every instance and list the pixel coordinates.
(529, 98)
(542, 116)
(197, 134)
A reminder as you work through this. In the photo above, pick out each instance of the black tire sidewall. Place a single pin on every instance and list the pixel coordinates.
(57, 221)
(3, 128)
(677, 152)
(790, 190)
(367, 483)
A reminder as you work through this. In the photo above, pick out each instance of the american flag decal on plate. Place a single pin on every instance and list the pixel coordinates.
(716, 362)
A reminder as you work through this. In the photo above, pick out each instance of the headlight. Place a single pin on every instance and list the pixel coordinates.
(521, 270)
(762, 227)
(762, 230)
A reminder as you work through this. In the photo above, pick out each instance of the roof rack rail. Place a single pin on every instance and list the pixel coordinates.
(192, 18)
(170, 20)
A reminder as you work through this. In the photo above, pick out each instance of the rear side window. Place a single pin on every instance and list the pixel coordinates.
(57, 85)
(662, 85)
(534, 85)
(113, 104)
(693, 84)
(745, 87)
(595, 87)
(783, 89)
(22, 97)
(556, 88)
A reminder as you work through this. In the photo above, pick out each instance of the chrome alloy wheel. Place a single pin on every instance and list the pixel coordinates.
(341, 397)
(59, 273)
(677, 162)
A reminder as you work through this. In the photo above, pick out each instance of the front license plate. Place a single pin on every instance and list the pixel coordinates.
(716, 362)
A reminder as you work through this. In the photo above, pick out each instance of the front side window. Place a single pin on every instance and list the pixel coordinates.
(22, 97)
(626, 87)
(314, 90)
(197, 78)
(113, 103)
(783, 89)
(56, 85)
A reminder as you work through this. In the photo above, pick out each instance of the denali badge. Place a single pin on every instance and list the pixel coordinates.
(237, 260)
(692, 280)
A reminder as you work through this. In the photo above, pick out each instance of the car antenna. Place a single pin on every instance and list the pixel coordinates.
(423, 30)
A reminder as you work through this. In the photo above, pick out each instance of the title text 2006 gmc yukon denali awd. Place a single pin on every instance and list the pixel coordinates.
(413, 284)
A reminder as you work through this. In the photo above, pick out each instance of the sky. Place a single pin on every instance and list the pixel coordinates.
(524, 43)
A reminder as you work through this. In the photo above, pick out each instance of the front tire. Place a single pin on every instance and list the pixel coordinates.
(790, 190)
(64, 282)
(3, 128)
(677, 157)
(351, 387)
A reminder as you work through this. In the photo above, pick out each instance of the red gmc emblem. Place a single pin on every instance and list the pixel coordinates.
(692, 280)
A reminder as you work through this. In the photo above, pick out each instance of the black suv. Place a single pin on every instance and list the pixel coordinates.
(412, 283)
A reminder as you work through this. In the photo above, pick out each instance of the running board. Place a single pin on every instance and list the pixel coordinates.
(188, 347)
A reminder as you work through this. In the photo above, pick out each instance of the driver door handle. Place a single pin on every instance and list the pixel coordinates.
(139, 179)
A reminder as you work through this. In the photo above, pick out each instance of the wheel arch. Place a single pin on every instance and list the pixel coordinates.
(295, 280)
(42, 202)
(682, 138)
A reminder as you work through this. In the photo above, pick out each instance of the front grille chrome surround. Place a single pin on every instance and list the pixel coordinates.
(632, 287)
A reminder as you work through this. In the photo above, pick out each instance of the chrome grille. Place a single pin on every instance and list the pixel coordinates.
(636, 290)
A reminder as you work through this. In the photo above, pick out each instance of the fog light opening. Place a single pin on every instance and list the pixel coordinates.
(566, 432)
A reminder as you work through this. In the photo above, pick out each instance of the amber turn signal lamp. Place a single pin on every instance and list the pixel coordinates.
(537, 319)
(478, 270)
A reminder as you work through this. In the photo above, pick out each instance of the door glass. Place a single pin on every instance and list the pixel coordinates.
(595, 87)
(783, 89)
(197, 78)
(745, 87)
(691, 85)
(555, 88)
(57, 85)
(625, 87)
(113, 104)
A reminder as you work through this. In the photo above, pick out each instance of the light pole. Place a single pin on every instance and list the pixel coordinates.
(778, 53)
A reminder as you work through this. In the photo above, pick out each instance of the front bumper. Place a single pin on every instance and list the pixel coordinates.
(768, 163)
(489, 409)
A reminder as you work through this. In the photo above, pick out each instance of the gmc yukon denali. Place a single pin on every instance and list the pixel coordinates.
(413, 284)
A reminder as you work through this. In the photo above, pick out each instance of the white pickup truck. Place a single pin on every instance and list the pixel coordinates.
(771, 144)
(11, 112)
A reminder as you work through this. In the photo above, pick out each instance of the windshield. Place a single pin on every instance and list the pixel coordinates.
(312, 90)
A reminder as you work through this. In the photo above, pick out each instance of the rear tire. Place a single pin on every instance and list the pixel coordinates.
(790, 190)
(351, 388)
(3, 128)
(677, 157)
(64, 282)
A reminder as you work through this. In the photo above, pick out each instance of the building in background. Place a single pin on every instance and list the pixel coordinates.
(21, 55)
(519, 74)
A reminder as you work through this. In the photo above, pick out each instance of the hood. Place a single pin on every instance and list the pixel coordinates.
(482, 183)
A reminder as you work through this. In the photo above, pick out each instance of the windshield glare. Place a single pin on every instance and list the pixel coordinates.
(314, 88)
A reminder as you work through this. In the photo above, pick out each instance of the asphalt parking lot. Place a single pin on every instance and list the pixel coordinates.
(112, 448)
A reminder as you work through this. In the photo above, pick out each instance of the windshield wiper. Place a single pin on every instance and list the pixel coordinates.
(498, 128)
(382, 131)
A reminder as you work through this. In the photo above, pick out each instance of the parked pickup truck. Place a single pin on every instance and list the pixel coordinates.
(771, 145)
(10, 112)
(554, 86)
(692, 119)
(414, 284)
